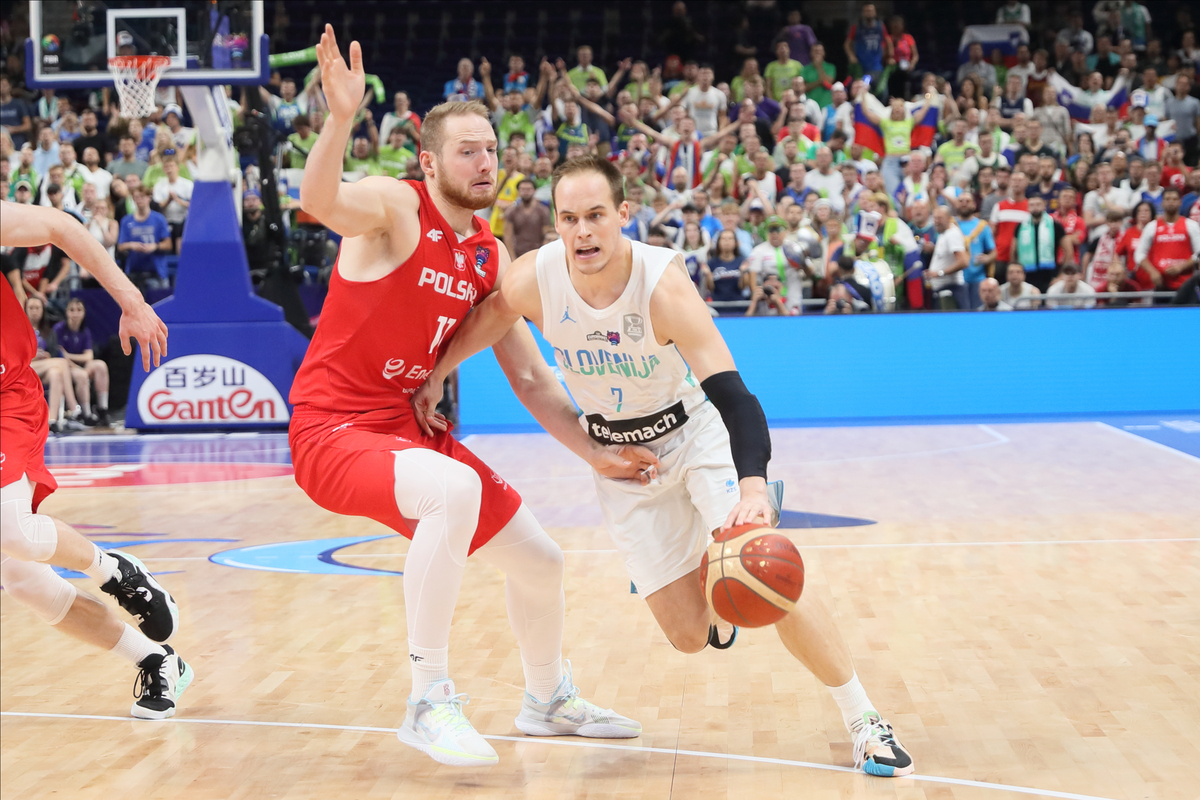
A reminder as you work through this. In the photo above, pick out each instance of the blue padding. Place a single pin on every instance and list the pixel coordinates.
(921, 367)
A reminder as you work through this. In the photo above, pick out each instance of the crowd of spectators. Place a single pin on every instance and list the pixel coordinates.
(966, 178)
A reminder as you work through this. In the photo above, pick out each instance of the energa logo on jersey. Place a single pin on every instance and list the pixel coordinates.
(209, 388)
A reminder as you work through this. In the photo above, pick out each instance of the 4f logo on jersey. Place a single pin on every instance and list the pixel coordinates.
(444, 283)
(482, 254)
(434, 235)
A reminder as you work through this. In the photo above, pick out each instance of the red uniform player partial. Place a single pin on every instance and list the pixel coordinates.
(376, 343)
(414, 260)
(31, 541)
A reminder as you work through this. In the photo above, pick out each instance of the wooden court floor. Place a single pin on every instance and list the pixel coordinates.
(1025, 609)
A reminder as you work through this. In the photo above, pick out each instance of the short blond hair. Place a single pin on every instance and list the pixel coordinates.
(433, 127)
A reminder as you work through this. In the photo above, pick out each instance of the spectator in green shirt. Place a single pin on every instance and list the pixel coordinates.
(819, 77)
(737, 85)
(301, 142)
(579, 75)
(954, 152)
(780, 72)
(394, 156)
(363, 157)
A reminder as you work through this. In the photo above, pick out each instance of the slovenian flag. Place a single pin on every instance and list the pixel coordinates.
(923, 131)
(1080, 108)
(866, 132)
(1005, 38)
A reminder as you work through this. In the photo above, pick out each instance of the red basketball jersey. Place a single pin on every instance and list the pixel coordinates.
(378, 340)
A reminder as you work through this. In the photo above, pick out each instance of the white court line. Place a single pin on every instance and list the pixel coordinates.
(588, 745)
(1150, 442)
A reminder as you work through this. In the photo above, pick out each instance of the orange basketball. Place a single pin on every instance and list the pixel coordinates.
(752, 576)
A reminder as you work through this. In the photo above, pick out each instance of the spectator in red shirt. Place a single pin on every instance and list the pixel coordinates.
(1008, 214)
(1068, 217)
(1143, 213)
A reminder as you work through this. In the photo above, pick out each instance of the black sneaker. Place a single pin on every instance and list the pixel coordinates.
(714, 635)
(142, 597)
(160, 682)
(102, 418)
(90, 420)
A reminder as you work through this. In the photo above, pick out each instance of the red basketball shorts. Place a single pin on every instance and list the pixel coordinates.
(345, 464)
(24, 423)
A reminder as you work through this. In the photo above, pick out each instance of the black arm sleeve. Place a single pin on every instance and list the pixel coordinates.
(749, 438)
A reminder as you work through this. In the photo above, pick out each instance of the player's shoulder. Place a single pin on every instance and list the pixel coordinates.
(401, 194)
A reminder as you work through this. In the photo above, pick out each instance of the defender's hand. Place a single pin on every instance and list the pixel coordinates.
(628, 462)
(424, 405)
(344, 86)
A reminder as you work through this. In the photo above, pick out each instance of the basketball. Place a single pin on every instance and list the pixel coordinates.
(752, 576)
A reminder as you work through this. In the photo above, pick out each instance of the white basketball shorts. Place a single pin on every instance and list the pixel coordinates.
(663, 529)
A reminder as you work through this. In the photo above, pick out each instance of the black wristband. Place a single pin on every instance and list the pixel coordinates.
(749, 439)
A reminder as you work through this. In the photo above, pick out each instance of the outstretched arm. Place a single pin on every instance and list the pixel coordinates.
(33, 226)
(872, 116)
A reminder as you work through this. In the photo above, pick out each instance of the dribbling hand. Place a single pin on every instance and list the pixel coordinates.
(424, 405)
(753, 506)
(343, 86)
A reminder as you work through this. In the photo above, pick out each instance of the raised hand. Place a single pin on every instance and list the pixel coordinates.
(485, 69)
(344, 86)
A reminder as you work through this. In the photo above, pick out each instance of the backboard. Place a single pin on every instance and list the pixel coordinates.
(208, 41)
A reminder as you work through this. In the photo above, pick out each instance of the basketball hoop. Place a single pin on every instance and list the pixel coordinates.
(136, 78)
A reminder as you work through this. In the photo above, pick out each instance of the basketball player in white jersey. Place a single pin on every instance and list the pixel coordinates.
(643, 359)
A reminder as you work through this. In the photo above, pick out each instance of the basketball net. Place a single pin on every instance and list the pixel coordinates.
(136, 78)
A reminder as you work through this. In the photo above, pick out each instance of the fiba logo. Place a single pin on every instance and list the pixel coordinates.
(49, 43)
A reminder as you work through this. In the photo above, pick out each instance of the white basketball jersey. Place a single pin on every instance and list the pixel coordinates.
(630, 388)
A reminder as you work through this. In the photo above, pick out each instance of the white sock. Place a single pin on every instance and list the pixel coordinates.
(87, 408)
(102, 399)
(103, 567)
(430, 666)
(134, 646)
(852, 699)
(542, 681)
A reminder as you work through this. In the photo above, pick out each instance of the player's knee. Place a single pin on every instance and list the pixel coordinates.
(38, 588)
(99, 367)
(689, 640)
(24, 535)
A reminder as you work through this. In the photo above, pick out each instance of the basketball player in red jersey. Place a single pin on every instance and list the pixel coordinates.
(414, 261)
(31, 541)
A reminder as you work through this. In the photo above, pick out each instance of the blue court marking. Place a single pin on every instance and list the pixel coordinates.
(104, 544)
(1177, 431)
(806, 519)
(311, 556)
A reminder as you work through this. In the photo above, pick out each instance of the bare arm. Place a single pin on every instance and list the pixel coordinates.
(33, 226)
(351, 209)
(872, 116)
(485, 75)
(17, 281)
(590, 106)
(923, 110)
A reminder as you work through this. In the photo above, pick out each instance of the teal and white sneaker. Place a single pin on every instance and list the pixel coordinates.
(568, 714)
(775, 498)
(876, 749)
(437, 727)
(161, 680)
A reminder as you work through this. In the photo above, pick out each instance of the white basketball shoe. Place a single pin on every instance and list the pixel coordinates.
(568, 714)
(437, 727)
(877, 751)
(161, 680)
